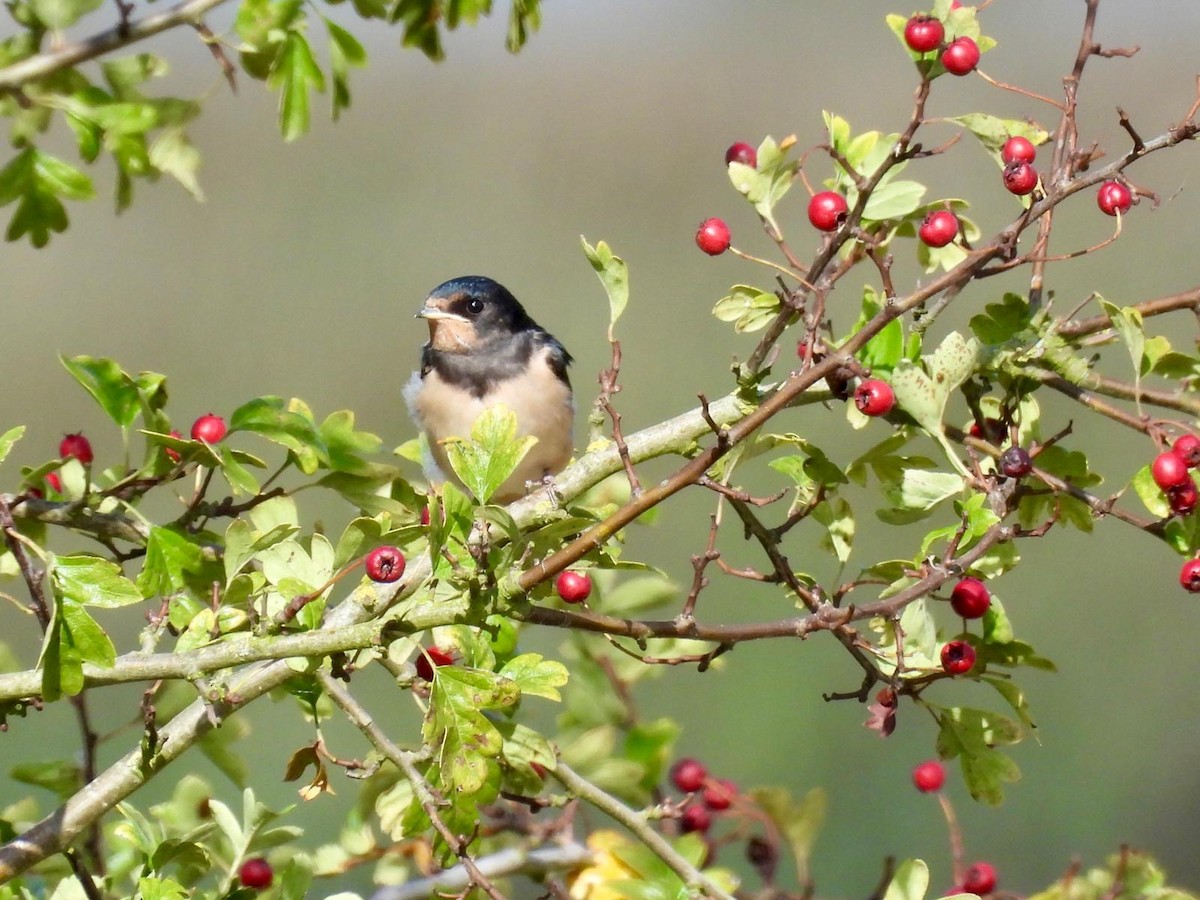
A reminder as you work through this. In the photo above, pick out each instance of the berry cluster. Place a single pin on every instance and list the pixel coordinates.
(707, 795)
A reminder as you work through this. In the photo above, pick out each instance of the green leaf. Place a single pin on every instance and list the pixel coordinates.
(271, 418)
(910, 882)
(992, 131)
(613, 274)
(973, 735)
(492, 454)
(294, 74)
(1128, 324)
(747, 307)
(87, 639)
(893, 200)
(798, 821)
(535, 675)
(524, 16)
(919, 489)
(9, 438)
(344, 51)
(169, 554)
(462, 737)
(765, 185)
(1004, 321)
(58, 15)
(111, 387)
(175, 155)
(835, 514)
(91, 581)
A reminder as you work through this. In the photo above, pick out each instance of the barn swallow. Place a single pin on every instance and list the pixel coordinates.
(484, 349)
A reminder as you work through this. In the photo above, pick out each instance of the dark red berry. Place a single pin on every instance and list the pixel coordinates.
(431, 658)
(1189, 576)
(886, 697)
(929, 776)
(1183, 498)
(874, 397)
(719, 794)
(1113, 197)
(923, 33)
(980, 878)
(939, 228)
(1187, 447)
(827, 210)
(573, 587)
(1018, 149)
(713, 237)
(424, 515)
(762, 854)
(1169, 470)
(77, 446)
(385, 564)
(970, 598)
(743, 153)
(54, 481)
(961, 57)
(256, 873)
(1020, 178)
(172, 454)
(958, 657)
(695, 818)
(688, 775)
(208, 428)
(1015, 462)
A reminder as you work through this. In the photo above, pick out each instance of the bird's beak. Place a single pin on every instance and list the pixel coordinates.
(432, 312)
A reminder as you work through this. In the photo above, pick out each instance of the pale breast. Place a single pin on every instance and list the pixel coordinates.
(543, 406)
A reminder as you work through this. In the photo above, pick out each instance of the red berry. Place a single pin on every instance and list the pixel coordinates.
(719, 794)
(939, 228)
(1015, 462)
(256, 873)
(929, 776)
(961, 57)
(874, 397)
(695, 818)
(1169, 470)
(1189, 576)
(958, 657)
(172, 454)
(431, 658)
(573, 587)
(385, 564)
(208, 428)
(827, 210)
(1187, 446)
(924, 33)
(1018, 149)
(688, 775)
(1113, 197)
(77, 446)
(1183, 498)
(713, 237)
(1020, 178)
(970, 598)
(743, 153)
(980, 878)
(54, 481)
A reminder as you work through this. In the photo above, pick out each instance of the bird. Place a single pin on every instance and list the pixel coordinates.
(484, 349)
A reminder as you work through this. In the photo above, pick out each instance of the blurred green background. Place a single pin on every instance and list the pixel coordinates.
(300, 275)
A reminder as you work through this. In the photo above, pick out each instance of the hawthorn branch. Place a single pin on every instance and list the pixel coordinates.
(636, 822)
(406, 762)
(190, 12)
(1189, 299)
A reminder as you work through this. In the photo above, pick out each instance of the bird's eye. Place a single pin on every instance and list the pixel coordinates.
(474, 306)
